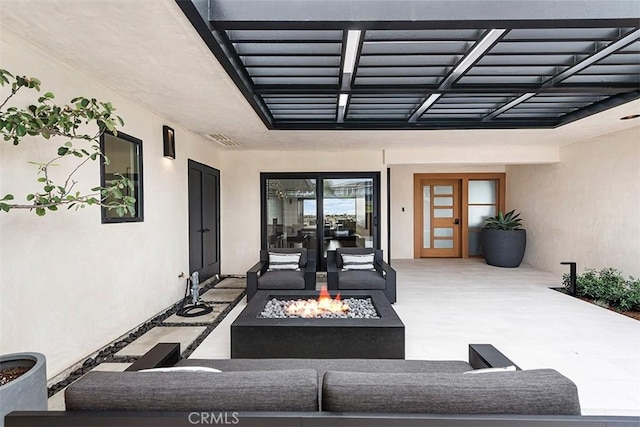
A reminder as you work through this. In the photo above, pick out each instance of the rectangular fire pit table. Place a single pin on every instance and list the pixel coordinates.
(253, 337)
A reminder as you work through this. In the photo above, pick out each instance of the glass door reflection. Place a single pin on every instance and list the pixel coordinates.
(291, 213)
(348, 213)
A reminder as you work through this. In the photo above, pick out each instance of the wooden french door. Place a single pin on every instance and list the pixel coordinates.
(437, 217)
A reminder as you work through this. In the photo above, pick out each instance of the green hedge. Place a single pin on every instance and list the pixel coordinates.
(607, 287)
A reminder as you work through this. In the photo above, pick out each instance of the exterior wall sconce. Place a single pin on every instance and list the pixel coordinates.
(169, 142)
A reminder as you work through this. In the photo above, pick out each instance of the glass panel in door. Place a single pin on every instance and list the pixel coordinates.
(347, 207)
(291, 213)
(483, 203)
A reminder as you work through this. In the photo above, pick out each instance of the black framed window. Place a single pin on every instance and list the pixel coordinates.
(124, 154)
(320, 211)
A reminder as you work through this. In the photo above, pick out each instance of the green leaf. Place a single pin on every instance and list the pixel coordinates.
(48, 188)
(8, 197)
(62, 151)
(42, 179)
(41, 211)
(30, 197)
(53, 208)
(4, 207)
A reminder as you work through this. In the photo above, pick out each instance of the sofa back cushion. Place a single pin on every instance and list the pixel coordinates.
(294, 390)
(535, 392)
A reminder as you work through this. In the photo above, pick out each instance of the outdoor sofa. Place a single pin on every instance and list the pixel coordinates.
(321, 392)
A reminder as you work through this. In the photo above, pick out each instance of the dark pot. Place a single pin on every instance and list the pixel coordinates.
(27, 392)
(503, 248)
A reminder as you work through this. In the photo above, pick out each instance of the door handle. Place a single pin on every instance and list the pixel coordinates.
(204, 230)
(456, 221)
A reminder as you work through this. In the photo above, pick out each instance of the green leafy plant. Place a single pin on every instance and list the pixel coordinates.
(608, 288)
(46, 119)
(508, 221)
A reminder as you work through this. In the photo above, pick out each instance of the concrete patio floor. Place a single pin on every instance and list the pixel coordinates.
(448, 303)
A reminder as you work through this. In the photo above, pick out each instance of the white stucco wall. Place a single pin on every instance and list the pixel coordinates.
(585, 208)
(69, 284)
(240, 194)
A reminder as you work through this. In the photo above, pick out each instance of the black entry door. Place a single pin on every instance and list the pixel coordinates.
(204, 220)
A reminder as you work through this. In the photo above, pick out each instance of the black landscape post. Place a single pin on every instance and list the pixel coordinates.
(572, 277)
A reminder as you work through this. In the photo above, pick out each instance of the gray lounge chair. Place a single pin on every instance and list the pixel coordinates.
(260, 278)
(382, 278)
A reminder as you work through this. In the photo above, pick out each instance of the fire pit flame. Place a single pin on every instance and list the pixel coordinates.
(317, 307)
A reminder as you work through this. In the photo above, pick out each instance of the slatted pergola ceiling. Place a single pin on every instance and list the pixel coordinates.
(368, 71)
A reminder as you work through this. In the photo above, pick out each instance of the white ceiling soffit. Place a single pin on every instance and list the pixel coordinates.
(150, 53)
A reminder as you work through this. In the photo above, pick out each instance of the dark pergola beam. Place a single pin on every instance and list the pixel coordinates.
(419, 91)
(249, 12)
(194, 10)
(420, 125)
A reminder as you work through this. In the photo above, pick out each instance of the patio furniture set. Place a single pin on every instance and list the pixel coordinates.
(380, 275)
(317, 371)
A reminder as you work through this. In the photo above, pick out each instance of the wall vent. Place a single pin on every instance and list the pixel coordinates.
(221, 139)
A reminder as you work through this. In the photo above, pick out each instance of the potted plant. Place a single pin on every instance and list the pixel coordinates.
(23, 383)
(504, 240)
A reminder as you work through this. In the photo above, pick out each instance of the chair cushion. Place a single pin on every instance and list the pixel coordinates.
(284, 279)
(357, 279)
(301, 251)
(351, 251)
(535, 392)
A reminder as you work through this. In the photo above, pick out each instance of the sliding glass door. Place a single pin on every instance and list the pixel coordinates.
(346, 203)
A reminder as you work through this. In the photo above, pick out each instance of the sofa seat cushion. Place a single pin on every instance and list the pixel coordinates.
(287, 279)
(535, 392)
(354, 279)
(292, 390)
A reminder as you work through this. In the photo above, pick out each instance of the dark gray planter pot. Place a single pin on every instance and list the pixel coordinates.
(29, 391)
(503, 248)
